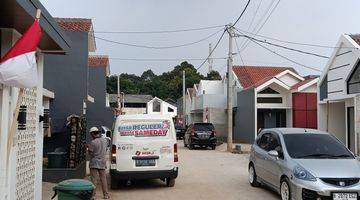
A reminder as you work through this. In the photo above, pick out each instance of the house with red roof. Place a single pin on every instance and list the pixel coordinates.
(339, 89)
(269, 97)
(99, 112)
(69, 95)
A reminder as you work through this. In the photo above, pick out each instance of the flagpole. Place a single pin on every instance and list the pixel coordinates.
(17, 109)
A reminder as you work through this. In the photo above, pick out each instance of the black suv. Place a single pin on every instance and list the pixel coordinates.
(180, 131)
(200, 134)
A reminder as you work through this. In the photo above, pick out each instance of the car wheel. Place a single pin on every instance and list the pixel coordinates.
(191, 146)
(114, 184)
(252, 177)
(170, 182)
(285, 190)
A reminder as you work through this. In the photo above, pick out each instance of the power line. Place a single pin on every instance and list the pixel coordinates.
(268, 17)
(212, 51)
(222, 35)
(284, 47)
(242, 13)
(161, 31)
(292, 42)
(238, 50)
(158, 47)
(255, 13)
(284, 57)
(257, 25)
(161, 59)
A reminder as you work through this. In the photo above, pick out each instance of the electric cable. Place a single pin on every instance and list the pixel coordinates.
(238, 50)
(266, 20)
(284, 47)
(242, 13)
(162, 59)
(293, 42)
(161, 31)
(284, 57)
(217, 44)
(158, 47)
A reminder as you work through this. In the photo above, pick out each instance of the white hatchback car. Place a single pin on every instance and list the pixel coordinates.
(144, 147)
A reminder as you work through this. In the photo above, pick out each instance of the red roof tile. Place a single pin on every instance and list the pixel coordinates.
(75, 24)
(356, 38)
(301, 83)
(98, 61)
(252, 76)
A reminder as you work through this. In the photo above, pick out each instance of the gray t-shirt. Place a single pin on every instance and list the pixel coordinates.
(97, 151)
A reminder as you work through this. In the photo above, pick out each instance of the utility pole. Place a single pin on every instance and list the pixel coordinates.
(230, 30)
(184, 99)
(210, 60)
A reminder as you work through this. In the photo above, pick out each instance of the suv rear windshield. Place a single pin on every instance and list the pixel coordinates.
(315, 146)
(203, 127)
(145, 129)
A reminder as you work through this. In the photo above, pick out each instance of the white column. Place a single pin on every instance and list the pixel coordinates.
(40, 131)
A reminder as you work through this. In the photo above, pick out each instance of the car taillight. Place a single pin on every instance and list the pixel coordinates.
(176, 157)
(113, 154)
(192, 132)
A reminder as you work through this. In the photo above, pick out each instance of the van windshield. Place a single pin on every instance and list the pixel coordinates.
(145, 129)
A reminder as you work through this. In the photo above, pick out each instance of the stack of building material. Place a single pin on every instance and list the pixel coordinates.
(77, 149)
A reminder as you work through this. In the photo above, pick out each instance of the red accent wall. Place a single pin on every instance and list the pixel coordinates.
(304, 110)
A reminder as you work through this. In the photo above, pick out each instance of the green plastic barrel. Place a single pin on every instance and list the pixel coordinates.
(74, 189)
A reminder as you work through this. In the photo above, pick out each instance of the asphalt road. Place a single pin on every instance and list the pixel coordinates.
(203, 174)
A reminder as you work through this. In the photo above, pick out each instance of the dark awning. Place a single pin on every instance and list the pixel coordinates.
(20, 14)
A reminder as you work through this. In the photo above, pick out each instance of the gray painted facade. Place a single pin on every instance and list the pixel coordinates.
(244, 120)
(97, 113)
(67, 78)
(324, 89)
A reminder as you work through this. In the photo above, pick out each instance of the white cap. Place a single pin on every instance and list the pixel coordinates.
(94, 129)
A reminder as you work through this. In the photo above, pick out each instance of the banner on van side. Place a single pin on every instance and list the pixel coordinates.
(145, 130)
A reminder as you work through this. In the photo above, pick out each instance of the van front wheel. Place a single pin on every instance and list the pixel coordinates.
(170, 182)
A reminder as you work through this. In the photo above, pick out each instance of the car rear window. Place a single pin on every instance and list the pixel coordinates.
(315, 146)
(145, 129)
(203, 127)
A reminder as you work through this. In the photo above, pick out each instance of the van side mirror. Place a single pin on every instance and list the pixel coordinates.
(273, 153)
(108, 134)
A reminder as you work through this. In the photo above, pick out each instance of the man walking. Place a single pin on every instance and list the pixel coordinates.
(97, 165)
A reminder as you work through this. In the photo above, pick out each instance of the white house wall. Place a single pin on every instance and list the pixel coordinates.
(285, 94)
(289, 79)
(337, 120)
(163, 108)
(340, 68)
(210, 87)
(22, 177)
(311, 89)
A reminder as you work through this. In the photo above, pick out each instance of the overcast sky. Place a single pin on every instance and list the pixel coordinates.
(316, 22)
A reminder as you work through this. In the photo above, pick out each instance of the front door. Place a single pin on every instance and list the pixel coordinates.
(351, 129)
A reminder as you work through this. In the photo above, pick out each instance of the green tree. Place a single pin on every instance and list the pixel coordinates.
(213, 75)
(166, 85)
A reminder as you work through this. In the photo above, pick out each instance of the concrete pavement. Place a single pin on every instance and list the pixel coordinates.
(203, 175)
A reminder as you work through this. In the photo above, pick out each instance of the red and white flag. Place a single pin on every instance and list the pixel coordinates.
(18, 67)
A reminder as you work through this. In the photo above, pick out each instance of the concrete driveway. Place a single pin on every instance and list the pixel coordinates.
(203, 175)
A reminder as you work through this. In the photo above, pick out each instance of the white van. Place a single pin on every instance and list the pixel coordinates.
(144, 147)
